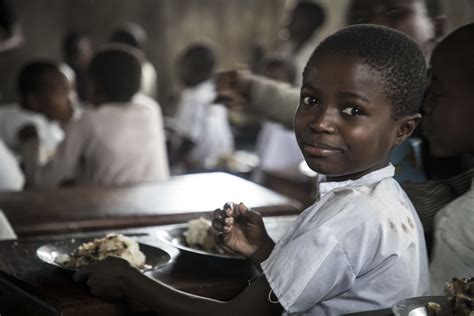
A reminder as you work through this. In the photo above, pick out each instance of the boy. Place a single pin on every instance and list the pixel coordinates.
(449, 113)
(360, 247)
(201, 127)
(44, 93)
(116, 143)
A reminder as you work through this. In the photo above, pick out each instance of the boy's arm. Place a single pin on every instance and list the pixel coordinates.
(63, 165)
(114, 278)
(274, 100)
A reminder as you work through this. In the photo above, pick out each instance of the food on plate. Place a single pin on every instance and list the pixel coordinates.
(200, 235)
(111, 245)
(459, 299)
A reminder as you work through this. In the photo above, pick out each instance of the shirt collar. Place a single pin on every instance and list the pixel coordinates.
(374, 176)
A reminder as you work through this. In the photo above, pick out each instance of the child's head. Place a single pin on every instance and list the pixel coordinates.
(306, 18)
(449, 106)
(361, 93)
(278, 68)
(196, 64)
(77, 50)
(115, 74)
(130, 34)
(43, 88)
(422, 20)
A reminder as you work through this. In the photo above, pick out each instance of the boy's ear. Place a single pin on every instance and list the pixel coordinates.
(406, 127)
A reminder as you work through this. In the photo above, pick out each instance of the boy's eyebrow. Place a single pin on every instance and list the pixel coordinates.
(353, 95)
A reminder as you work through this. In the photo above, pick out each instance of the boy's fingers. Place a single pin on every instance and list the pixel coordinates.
(218, 214)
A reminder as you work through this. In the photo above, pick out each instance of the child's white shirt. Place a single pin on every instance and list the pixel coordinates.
(360, 247)
(204, 123)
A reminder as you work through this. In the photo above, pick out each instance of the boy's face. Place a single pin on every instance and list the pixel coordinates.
(343, 123)
(449, 106)
(407, 16)
(54, 102)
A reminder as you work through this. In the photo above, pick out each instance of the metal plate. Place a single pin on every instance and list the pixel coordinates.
(155, 257)
(173, 235)
(416, 306)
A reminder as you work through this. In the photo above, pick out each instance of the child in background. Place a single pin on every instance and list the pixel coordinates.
(202, 127)
(360, 247)
(117, 142)
(77, 52)
(449, 113)
(44, 103)
(135, 36)
(276, 145)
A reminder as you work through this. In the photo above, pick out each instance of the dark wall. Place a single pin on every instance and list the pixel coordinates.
(234, 26)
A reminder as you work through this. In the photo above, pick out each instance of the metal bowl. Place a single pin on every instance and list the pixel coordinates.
(416, 306)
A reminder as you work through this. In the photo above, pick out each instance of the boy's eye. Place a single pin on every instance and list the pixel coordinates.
(311, 101)
(352, 111)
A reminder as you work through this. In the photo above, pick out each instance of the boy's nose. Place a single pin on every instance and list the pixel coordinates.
(324, 122)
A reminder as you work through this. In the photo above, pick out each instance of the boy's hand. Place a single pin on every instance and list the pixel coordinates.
(232, 87)
(243, 231)
(107, 277)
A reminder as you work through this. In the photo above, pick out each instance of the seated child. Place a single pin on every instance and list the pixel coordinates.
(449, 113)
(360, 247)
(44, 103)
(117, 142)
(202, 127)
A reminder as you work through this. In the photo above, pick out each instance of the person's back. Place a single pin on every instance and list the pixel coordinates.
(124, 145)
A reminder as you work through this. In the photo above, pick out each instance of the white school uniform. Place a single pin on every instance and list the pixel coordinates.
(359, 248)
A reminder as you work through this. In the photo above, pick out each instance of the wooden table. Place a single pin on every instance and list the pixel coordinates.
(171, 201)
(29, 286)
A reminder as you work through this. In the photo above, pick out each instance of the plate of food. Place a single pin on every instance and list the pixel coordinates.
(198, 236)
(73, 254)
(458, 301)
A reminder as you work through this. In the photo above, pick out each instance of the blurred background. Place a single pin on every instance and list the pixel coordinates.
(240, 30)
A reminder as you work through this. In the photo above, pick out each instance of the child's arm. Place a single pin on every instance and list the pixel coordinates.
(243, 231)
(114, 278)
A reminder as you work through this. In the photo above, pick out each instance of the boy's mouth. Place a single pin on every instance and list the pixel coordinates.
(320, 149)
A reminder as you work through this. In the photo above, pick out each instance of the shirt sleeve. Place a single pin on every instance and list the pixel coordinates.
(65, 162)
(310, 268)
(276, 101)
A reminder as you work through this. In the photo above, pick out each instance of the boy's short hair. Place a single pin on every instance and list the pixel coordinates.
(117, 70)
(31, 78)
(392, 55)
(201, 58)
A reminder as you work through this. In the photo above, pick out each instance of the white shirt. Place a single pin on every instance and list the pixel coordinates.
(204, 123)
(111, 145)
(453, 254)
(277, 147)
(361, 247)
(11, 177)
(13, 118)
